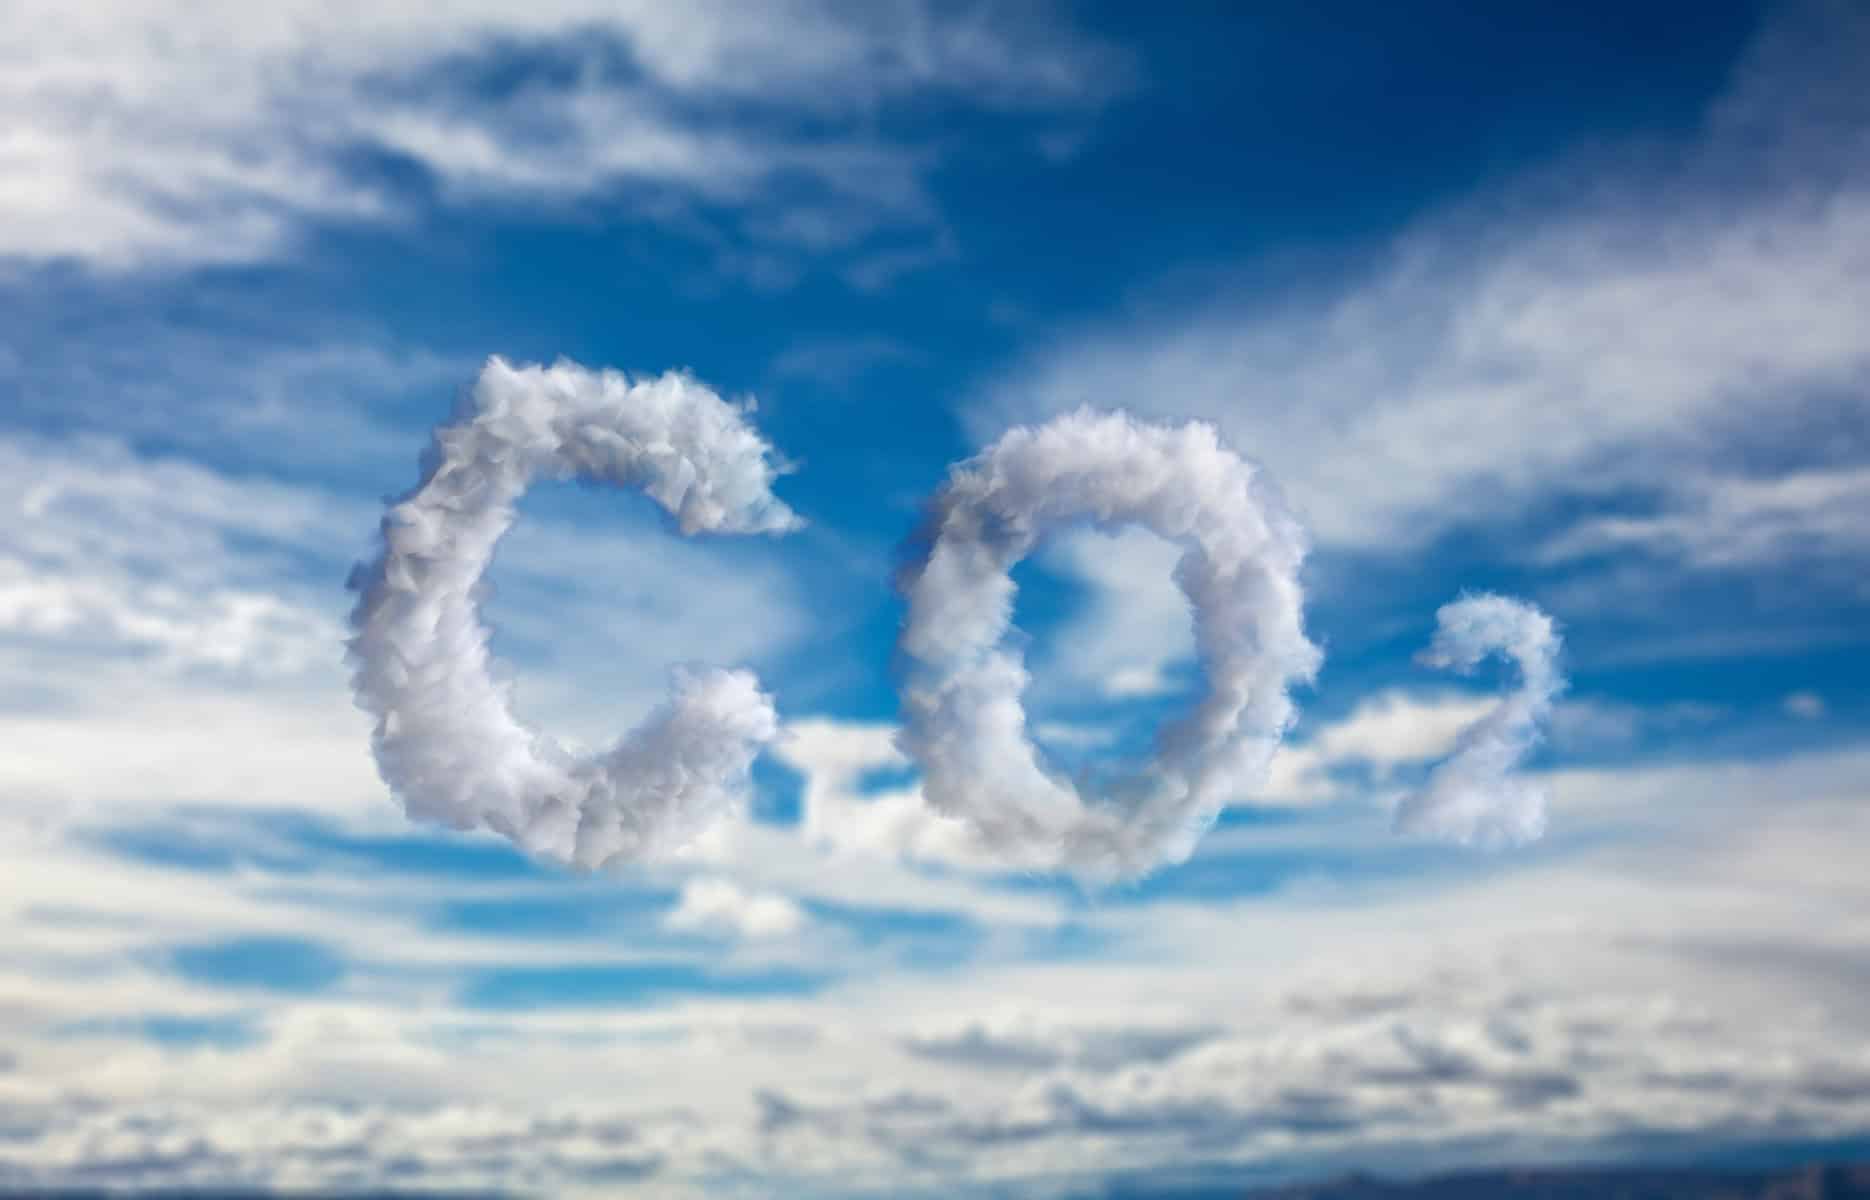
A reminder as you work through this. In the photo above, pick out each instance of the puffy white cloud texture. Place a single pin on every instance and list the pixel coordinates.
(446, 739)
(964, 721)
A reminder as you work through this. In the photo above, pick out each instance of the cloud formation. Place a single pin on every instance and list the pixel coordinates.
(841, 817)
(1473, 796)
(1683, 304)
(168, 133)
(719, 907)
(446, 739)
(964, 723)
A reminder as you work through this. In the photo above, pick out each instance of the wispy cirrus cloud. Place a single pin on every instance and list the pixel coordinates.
(1810, 516)
(111, 551)
(1559, 335)
(160, 132)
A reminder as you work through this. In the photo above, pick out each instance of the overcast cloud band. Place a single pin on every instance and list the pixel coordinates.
(446, 740)
(964, 722)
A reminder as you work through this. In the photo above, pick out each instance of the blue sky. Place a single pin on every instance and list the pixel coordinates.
(1566, 304)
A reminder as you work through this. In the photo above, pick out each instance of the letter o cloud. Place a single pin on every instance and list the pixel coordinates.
(446, 740)
(963, 720)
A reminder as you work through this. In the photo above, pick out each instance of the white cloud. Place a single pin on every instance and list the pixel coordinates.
(162, 131)
(189, 619)
(1598, 724)
(1135, 625)
(1391, 729)
(446, 738)
(1073, 734)
(1384, 733)
(112, 738)
(843, 818)
(1623, 321)
(720, 907)
(1738, 523)
(1475, 795)
(962, 697)
(1396, 727)
(105, 553)
(304, 398)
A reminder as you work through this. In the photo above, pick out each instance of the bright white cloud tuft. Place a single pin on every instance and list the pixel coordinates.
(843, 818)
(964, 722)
(446, 739)
(718, 907)
(1474, 796)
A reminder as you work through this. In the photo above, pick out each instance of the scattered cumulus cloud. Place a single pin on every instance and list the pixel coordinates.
(1395, 728)
(719, 907)
(844, 818)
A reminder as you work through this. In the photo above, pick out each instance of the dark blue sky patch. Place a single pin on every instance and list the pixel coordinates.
(162, 846)
(886, 779)
(210, 840)
(182, 1031)
(627, 985)
(580, 908)
(1269, 817)
(300, 844)
(273, 964)
(422, 851)
(778, 792)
